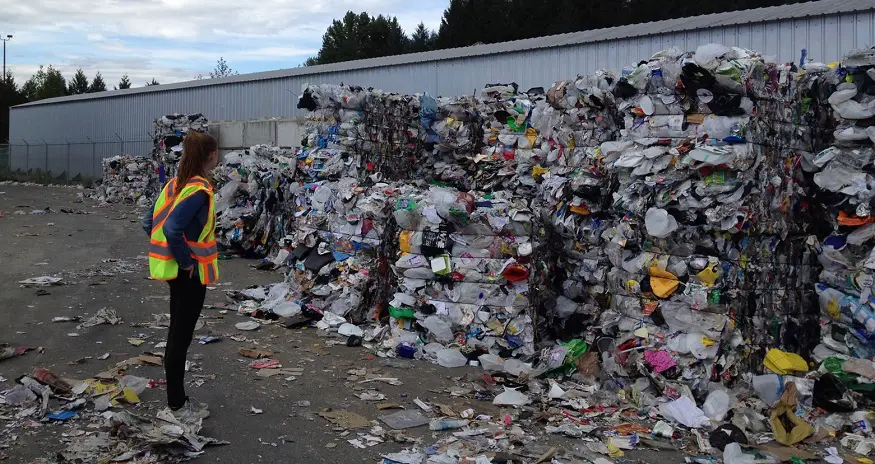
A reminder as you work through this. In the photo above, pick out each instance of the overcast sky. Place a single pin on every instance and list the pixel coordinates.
(174, 40)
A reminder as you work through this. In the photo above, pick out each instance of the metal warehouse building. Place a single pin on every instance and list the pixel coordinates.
(72, 134)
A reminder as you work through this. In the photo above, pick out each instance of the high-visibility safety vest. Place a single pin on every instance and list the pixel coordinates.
(162, 265)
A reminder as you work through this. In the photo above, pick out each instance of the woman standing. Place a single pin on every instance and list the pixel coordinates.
(182, 252)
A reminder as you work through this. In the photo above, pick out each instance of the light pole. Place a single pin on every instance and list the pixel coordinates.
(5, 39)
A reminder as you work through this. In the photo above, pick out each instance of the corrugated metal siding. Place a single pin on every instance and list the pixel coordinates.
(129, 117)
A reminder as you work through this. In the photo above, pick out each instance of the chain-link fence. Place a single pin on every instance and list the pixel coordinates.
(65, 162)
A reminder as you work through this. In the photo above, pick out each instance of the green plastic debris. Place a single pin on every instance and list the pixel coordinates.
(401, 313)
(576, 349)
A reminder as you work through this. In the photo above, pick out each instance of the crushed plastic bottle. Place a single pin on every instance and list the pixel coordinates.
(491, 362)
(446, 423)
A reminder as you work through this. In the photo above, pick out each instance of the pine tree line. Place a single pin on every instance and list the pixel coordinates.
(470, 22)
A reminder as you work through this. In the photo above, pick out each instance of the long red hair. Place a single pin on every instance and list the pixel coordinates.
(196, 149)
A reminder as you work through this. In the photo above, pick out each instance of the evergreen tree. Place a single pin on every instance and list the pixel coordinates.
(97, 84)
(10, 95)
(154, 82)
(79, 83)
(359, 36)
(422, 39)
(124, 83)
(468, 22)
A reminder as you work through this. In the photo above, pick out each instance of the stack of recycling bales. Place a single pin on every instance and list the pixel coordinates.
(700, 215)
(463, 270)
(168, 136)
(335, 132)
(252, 207)
(128, 179)
(574, 195)
(465, 243)
(353, 131)
(673, 200)
(791, 122)
(451, 130)
(392, 123)
(844, 245)
(337, 207)
(337, 247)
(659, 220)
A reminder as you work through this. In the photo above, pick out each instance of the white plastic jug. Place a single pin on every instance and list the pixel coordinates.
(769, 387)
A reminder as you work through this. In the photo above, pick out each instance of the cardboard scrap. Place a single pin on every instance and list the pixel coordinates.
(255, 353)
(145, 360)
(344, 418)
(789, 428)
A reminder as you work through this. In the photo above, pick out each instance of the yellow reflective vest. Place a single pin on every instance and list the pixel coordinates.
(162, 265)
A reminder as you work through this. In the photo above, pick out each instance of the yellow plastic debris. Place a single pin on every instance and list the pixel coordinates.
(662, 282)
(532, 135)
(405, 240)
(709, 275)
(783, 363)
(129, 396)
(613, 451)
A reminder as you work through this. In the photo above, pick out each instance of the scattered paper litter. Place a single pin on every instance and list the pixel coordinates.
(43, 281)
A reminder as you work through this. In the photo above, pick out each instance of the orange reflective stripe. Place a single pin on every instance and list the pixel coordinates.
(161, 257)
(199, 181)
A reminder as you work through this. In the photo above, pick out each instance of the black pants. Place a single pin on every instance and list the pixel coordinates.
(186, 302)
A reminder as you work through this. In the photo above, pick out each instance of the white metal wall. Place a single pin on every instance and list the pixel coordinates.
(129, 117)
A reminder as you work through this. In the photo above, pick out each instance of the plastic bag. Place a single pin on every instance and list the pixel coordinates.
(716, 405)
(707, 55)
(450, 357)
(439, 328)
(684, 411)
(511, 397)
(733, 454)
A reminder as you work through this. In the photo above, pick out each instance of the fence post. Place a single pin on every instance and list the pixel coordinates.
(67, 174)
(46, 145)
(122, 141)
(27, 157)
(93, 171)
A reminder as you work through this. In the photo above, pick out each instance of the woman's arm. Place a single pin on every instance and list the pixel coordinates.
(147, 218)
(174, 228)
